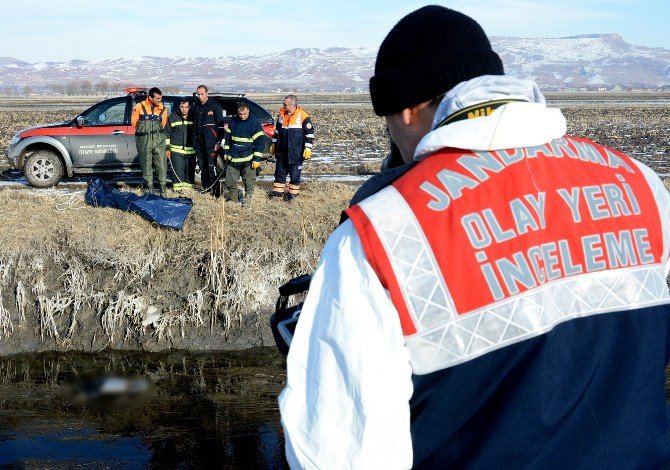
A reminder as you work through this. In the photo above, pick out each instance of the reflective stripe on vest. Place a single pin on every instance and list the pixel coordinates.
(242, 159)
(181, 123)
(183, 150)
(480, 250)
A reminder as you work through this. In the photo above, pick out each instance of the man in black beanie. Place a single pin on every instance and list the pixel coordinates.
(500, 301)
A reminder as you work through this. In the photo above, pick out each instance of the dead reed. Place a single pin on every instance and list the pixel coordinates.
(83, 275)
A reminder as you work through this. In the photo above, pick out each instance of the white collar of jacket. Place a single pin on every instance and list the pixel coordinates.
(524, 123)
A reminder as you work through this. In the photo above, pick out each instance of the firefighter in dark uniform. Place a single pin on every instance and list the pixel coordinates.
(291, 145)
(149, 118)
(208, 131)
(243, 149)
(179, 131)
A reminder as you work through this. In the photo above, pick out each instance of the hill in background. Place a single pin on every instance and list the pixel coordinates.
(586, 62)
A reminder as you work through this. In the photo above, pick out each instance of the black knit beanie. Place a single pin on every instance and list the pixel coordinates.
(427, 53)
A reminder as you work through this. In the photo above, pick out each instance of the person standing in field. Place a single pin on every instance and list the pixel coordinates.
(243, 148)
(208, 131)
(149, 118)
(291, 146)
(179, 130)
(499, 301)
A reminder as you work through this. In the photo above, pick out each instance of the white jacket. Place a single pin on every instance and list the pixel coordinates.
(345, 404)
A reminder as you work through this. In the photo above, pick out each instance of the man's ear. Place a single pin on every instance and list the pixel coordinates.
(407, 116)
(411, 114)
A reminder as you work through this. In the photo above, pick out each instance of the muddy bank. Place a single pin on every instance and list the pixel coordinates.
(74, 277)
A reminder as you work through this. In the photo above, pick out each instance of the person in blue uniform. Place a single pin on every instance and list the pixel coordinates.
(292, 144)
(243, 149)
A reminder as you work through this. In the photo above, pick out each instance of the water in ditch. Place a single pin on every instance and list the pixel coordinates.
(130, 410)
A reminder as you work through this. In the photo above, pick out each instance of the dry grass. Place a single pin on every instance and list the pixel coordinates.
(632, 129)
(335, 125)
(6, 324)
(86, 267)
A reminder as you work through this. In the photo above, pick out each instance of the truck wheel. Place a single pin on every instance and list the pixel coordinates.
(43, 168)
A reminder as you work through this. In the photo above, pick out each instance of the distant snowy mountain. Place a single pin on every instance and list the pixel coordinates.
(599, 60)
(587, 60)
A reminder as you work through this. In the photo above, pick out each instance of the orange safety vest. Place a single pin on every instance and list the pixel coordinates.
(145, 110)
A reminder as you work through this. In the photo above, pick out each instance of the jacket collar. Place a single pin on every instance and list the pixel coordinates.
(283, 112)
(524, 121)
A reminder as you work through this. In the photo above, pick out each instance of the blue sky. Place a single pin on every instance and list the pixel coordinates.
(48, 30)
